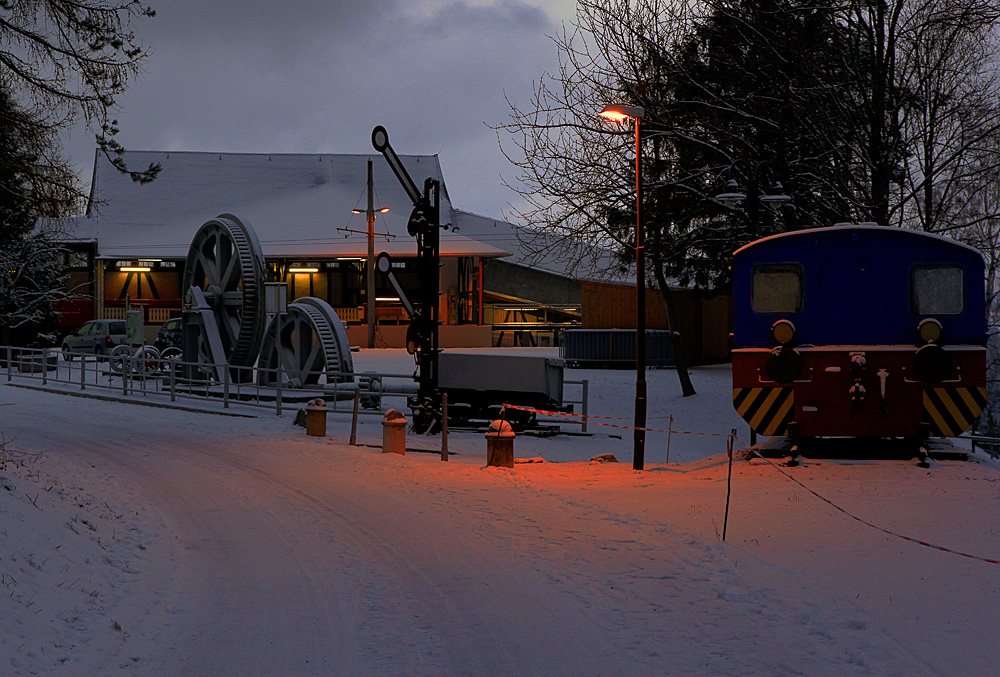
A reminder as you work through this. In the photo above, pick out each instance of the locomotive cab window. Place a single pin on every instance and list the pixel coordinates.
(937, 290)
(777, 288)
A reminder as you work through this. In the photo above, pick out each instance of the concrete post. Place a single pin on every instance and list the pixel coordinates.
(394, 433)
(500, 445)
(316, 418)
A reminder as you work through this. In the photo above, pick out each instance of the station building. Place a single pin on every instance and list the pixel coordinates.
(131, 245)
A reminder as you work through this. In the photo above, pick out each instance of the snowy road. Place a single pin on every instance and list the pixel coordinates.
(298, 563)
(265, 552)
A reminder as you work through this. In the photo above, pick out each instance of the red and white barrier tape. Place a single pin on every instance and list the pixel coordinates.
(875, 526)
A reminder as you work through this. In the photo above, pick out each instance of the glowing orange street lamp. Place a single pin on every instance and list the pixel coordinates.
(620, 113)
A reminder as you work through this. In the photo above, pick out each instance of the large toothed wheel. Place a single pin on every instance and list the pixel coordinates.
(309, 342)
(227, 263)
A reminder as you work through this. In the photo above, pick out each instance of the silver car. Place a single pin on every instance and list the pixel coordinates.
(97, 337)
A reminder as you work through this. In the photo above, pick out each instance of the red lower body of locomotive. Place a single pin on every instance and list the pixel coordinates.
(859, 391)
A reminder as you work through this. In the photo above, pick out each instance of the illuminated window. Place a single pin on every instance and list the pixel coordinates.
(937, 290)
(777, 288)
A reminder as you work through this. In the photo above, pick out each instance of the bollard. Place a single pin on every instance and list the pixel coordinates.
(394, 433)
(316, 418)
(500, 445)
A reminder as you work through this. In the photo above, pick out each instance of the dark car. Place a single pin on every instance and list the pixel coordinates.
(97, 337)
(170, 335)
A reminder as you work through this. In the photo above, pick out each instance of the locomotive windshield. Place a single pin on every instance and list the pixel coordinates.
(937, 290)
(777, 288)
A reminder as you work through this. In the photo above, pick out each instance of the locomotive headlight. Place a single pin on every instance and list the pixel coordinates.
(783, 332)
(929, 330)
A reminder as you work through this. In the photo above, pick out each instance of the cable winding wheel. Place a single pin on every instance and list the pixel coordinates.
(308, 341)
(224, 312)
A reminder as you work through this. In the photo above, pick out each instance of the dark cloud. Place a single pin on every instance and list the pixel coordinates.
(317, 75)
(195, 20)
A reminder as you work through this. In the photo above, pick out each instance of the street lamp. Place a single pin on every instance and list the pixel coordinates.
(620, 113)
(370, 276)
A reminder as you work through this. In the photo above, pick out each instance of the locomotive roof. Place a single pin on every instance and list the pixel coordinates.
(856, 286)
(855, 228)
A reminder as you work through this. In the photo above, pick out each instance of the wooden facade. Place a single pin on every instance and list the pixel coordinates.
(705, 323)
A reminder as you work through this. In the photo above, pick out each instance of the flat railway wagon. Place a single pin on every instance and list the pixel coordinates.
(859, 331)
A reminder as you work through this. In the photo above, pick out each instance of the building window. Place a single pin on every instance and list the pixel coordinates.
(77, 261)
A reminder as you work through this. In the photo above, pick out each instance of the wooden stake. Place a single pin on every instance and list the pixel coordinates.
(444, 426)
(354, 419)
(729, 481)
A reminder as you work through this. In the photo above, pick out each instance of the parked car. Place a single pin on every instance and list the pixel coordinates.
(97, 337)
(170, 335)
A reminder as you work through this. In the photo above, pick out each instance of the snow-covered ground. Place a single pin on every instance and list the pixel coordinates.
(161, 542)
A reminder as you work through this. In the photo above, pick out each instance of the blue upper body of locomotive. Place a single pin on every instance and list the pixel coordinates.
(857, 285)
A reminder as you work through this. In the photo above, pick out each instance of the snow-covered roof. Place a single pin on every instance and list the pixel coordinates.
(297, 203)
(536, 249)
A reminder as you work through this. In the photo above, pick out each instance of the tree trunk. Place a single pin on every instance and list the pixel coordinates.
(680, 363)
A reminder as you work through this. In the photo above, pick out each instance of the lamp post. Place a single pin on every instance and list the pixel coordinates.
(370, 269)
(620, 113)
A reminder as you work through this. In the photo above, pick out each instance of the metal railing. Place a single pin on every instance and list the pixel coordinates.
(583, 401)
(154, 315)
(350, 313)
(172, 380)
(991, 445)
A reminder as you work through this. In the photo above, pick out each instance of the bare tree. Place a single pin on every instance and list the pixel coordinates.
(917, 67)
(728, 87)
(31, 273)
(953, 116)
(31, 263)
(575, 171)
(63, 59)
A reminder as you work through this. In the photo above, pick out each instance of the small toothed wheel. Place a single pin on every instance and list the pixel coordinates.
(308, 341)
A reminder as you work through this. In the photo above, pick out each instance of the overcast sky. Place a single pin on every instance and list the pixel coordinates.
(316, 76)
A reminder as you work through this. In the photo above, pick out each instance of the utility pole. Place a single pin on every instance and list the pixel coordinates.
(370, 298)
(370, 214)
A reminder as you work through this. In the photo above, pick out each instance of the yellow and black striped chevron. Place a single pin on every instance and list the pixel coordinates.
(767, 410)
(951, 411)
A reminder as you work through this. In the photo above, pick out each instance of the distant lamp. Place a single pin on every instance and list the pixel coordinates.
(732, 196)
(776, 197)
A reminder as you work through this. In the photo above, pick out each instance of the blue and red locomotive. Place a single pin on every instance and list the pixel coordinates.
(859, 331)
